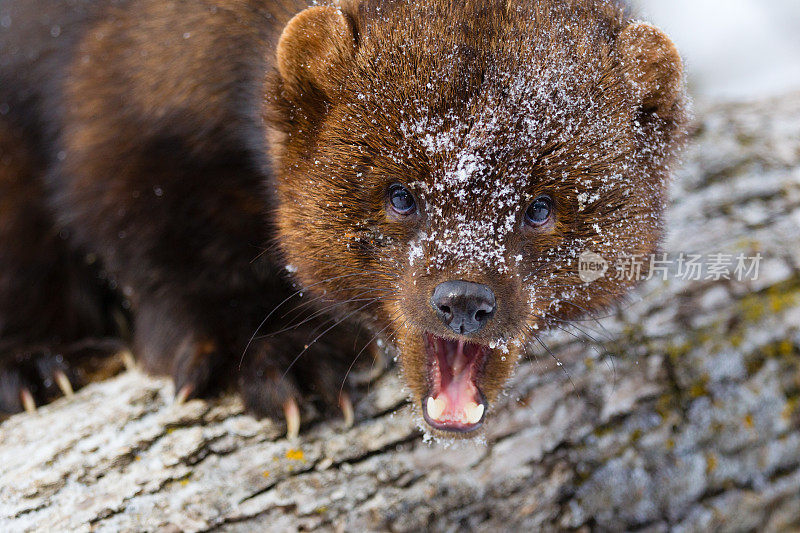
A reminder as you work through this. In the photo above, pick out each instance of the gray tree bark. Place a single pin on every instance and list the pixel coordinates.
(682, 414)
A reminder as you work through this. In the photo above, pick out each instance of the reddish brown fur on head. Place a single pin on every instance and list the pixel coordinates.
(477, 108)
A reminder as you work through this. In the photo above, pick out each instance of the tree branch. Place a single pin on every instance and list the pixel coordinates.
(684, 413)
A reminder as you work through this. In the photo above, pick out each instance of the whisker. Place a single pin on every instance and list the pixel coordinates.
(328, 293)
(261, 325)
(558, 363)
(538, 269)
(333, 316)
(324, 311)
(364, 348)
(592, 316)
(305, 349)
(568, 286)
(528, 353)
(584, 329)
(596, 346)
(392, 337)
(586, 312)
(259, 254)
(327, 300)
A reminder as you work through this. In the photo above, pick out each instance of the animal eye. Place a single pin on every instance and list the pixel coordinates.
(539, 212)
(401, 200)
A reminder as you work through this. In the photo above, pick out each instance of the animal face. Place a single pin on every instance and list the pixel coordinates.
(442, 168)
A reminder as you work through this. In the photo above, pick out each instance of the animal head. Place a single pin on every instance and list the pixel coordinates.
(449, 162)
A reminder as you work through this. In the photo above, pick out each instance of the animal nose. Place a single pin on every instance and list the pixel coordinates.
(463, 306)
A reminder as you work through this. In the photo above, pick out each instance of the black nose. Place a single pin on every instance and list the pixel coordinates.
(463, 306)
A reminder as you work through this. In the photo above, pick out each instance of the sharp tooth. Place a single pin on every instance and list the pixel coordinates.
(435, 407)
(474, 412)
(478, 413)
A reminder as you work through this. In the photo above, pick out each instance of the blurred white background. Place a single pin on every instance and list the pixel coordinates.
(734, 49)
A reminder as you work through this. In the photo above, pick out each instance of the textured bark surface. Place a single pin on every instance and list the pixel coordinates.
(683, 415)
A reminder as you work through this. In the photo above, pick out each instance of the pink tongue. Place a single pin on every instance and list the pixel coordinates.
(457, 390)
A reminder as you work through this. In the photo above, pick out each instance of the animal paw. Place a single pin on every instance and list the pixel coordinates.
(194, 369)
(279, 374)
(34, 376)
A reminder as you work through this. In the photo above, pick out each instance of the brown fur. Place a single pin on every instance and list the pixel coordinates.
(138, 168)
(343, 136)
(146, 135)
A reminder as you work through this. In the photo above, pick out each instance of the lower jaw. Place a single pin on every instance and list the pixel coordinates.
(455, 428)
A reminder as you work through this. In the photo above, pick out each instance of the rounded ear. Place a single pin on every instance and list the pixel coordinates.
(313, 45)
(652, 67)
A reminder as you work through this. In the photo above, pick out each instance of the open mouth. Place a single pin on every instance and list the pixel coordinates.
(454, 401)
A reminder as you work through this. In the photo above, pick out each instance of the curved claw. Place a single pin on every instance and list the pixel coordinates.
(128, 360)
(63, 383)
(292, 413)
(28, 403)
(347, 409)
(182, 395)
